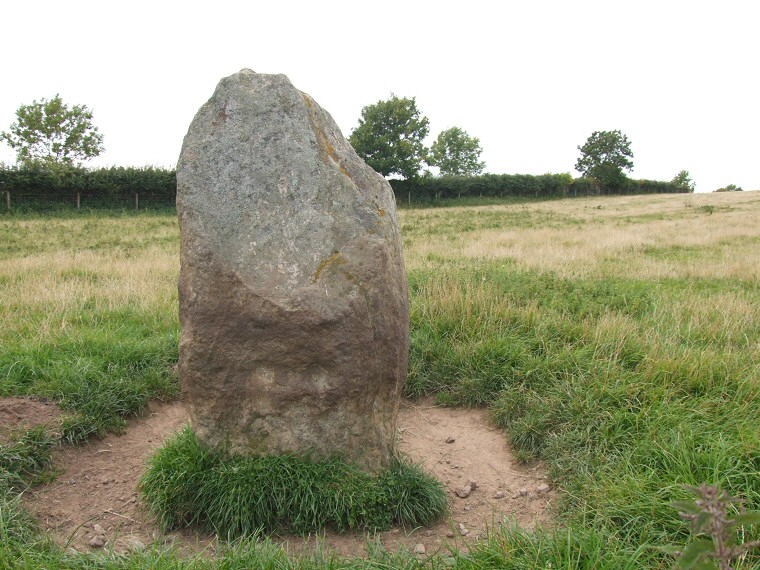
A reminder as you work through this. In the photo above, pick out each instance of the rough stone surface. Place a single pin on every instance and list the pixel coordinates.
(293, 299)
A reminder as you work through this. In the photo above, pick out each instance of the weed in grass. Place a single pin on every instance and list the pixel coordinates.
(710, 514)
(188, 483)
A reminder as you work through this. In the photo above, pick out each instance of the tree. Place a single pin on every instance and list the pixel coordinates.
(729, 188)
(389, 137)
(604, 157)
(455, 152)
(683, 180)
(51, 133)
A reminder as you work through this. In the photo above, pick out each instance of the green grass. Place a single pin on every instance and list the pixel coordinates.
(103, 368)
(188, 483)
(626, 391)
(626, 387)
(120, 233)
(23, 458)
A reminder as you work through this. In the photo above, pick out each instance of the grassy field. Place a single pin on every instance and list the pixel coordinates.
(617, 338)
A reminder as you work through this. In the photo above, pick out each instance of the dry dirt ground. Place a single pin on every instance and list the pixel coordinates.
(95, 491)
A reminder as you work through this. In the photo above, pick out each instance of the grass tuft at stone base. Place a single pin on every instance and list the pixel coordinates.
(190, 484)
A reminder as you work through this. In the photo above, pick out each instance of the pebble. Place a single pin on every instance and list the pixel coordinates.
(523, 492)
(450, 439)
(463, 492)
(499, 495)
(98, 529)
(97, 541)
(543, 488)
(428, 533)
(419, 549)
(449, 534)
(135, 543)
(473, 485)
(463, 530)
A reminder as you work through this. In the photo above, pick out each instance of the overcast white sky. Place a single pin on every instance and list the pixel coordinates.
(531, 79)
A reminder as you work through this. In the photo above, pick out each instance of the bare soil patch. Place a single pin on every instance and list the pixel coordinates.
(20, 414)
(95, 493)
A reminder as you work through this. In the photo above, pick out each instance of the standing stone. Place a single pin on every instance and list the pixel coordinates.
(293, 300)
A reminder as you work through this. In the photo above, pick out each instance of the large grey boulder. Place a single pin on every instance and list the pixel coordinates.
(293, 299)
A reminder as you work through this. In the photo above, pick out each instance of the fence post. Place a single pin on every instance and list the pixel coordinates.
(77, 200)
(8, 200)
(137, 201)
(410, 198)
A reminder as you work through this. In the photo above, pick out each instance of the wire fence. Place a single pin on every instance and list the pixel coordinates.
(22, 203)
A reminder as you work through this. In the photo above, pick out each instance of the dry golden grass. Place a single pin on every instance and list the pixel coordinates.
(48, 290)
(651, 237)
(111, 263)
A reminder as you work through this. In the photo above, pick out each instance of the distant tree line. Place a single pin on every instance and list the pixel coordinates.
(38, 178)
(430, 189)
(159, 185)
(51, 139)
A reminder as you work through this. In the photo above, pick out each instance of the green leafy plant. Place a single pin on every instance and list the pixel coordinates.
(709, 515)
(456, 153)
(729, 188)
(683, 180)
(50, 132)
(604, 156)
(389, 136)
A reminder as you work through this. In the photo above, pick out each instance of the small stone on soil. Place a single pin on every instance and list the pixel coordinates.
(499, 495)
(97, 541)
(543, 488)
(523, 492)
(463, 492)
(98, 529)
(450, 439)
(449, 534)
(473, 485)
(135, 543)
(419, 549)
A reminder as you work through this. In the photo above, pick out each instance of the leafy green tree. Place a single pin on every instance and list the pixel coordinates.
(729, 188)
(604, 156)
(457, 153)
(683, 180)
(389, 137)
(51, 133)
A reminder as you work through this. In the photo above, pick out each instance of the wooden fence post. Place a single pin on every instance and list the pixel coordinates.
(137, 201)
(8, 200)
(77, 200)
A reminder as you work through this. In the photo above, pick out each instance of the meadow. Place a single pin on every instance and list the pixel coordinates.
(615, 338)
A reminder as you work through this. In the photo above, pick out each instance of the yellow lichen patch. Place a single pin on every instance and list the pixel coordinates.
(336, 258)
(327, 150)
